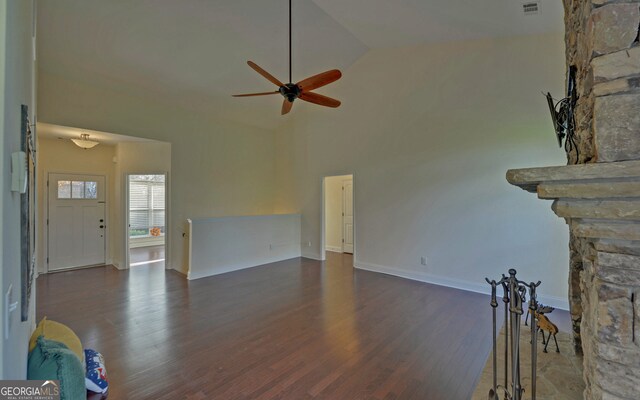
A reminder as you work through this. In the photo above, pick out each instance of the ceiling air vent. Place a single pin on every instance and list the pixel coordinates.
(531, 8)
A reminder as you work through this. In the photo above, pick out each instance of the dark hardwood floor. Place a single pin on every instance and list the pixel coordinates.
(297, 329)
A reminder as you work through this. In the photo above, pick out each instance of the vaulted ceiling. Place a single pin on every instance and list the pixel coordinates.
(194, 52)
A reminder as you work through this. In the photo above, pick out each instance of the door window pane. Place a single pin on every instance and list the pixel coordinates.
(91, 190)
(64, 189)
(77, 190)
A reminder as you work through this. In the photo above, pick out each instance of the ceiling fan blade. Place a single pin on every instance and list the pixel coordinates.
(254, 94)
(319, 80)
(319, 99)
(286, 106)
(264, 73)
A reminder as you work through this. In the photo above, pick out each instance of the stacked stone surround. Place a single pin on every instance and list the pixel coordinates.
(601, 204)
(599, 196)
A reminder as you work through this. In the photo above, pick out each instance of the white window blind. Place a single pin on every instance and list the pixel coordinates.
(146, 207)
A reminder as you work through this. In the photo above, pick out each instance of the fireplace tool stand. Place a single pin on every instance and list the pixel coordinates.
(514, 296)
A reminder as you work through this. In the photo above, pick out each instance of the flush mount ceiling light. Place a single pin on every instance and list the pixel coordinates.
(84, 141)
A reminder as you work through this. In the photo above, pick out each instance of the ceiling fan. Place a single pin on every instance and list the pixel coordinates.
(301, 90)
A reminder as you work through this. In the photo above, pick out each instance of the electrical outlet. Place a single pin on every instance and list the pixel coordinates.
(309, 243)
(423, 260)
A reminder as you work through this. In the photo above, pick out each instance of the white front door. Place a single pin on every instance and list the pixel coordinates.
(76, 221)
(347, 216)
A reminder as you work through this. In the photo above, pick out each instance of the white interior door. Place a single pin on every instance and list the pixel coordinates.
(76, 221)
(347, 216)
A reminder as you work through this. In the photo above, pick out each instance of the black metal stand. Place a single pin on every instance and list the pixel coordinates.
(514, 296)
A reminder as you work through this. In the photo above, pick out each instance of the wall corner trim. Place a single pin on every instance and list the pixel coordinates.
(312, 256)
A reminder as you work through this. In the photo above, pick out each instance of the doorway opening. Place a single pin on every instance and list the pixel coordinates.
(146, 219)
(338, 215)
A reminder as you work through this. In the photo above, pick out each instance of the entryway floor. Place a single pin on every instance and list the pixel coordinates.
(146, 255)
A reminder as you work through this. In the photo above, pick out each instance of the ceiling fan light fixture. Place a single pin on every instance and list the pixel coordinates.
(301, 90)
(84, 142)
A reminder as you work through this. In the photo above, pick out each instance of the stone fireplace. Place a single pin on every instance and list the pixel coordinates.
(598, 193)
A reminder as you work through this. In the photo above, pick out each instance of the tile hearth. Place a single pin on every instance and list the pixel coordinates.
(559, 375)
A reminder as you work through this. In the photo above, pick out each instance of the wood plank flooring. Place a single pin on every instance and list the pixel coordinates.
(298, 329)
(146, 255)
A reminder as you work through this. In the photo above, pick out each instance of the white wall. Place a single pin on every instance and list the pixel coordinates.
(429, 132)
(3, 52)
(16, 71)
(333, 212)
(56, 155)
(218, 167)
(136, 158)
(62, 156)
(225, 244)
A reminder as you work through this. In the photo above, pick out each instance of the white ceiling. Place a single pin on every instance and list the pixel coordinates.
(384, 23)
(194, 52)
(51, 131)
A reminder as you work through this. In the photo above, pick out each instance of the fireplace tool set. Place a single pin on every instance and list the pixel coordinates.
(514, 296)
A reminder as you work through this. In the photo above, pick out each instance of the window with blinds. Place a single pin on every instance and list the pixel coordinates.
(146, 205)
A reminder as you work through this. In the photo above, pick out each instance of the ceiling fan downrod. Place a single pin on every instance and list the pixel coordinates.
(301, 90)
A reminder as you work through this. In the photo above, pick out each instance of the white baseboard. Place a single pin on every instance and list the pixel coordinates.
(335, 249)
(313, 256)
(469, 286)
(181, 272)
(119, 265)
(191, 276)
(236, 267)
